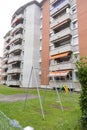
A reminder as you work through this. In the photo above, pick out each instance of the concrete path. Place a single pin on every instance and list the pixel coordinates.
(16, 97)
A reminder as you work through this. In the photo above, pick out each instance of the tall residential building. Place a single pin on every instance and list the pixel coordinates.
(64, 47)
(22, 44)
(0, 68)
(46, 35)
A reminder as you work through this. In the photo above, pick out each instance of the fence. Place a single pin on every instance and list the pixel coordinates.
(8, 124)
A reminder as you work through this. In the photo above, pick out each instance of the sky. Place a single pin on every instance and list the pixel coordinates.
(7, 9)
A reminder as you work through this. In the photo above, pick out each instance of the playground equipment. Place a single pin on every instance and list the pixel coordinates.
(33, 72)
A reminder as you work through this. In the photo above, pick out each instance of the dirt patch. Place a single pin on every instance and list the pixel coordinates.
(16, 97)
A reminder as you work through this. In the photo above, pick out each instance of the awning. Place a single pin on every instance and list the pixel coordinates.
(59, 55)
(59, 73)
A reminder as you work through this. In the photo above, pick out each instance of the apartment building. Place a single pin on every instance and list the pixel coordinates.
(47, 36)
(22, 44)
(64, 47)
(0, 68)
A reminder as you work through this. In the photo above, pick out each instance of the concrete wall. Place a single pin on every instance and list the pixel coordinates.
(31, 45)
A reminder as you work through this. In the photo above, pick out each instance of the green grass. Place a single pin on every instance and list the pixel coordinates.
(30, 115)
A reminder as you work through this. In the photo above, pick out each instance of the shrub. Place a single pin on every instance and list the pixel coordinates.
(82, 75)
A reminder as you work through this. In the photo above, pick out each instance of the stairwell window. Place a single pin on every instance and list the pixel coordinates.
(74, 9)
(75, 40)
(74, 24)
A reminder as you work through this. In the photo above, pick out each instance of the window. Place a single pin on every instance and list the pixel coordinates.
(75, 40)
(74, 9)
(74, 24)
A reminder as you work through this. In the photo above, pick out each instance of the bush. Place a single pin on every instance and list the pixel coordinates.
(82, 74)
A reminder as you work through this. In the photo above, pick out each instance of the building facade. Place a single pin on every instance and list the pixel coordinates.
(21, 45)
(0, 69)
(45, 35)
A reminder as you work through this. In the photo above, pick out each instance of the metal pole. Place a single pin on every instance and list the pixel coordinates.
(58, 96)
(28, 87)
(39, 94)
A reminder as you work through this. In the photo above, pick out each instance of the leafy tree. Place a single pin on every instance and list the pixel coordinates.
(82, 75)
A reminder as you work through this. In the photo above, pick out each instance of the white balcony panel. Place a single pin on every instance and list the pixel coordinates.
(17, 27)
(17, 17)
(60, 19)
(61, 34)
(14, 70)
(16, 47)
(61, 49)
(62, 66)
(7, 38)
(4, 74)
(5, 59)
(58, 84)
(16, 37)
(13, 82)
(59, 7)
(15, 58)
(4, 66)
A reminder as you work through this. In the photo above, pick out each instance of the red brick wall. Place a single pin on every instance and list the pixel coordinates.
(82, 26)
(45, 41)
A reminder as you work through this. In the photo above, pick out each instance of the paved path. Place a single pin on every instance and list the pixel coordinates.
(16, 97)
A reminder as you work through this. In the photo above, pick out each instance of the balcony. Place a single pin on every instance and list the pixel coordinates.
(62, 66)
(15, 58)
(7, 38)
(5, 59)
(4, 73)
(15, 48)
(61, 34)
(60, 83)
(13, 82)
(17, 27)
(61, 49)
(14, 70)
(17, 17)
(60, 19)
(5, 66)
(16, 37)
(59, 7)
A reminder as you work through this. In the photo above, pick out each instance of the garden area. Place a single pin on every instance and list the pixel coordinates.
(28, 112)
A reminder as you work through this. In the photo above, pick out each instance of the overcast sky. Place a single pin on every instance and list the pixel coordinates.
(7, 9)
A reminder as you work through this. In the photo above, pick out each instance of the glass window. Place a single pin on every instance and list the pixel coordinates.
(75, 40)
(74, 9)
(74, 24)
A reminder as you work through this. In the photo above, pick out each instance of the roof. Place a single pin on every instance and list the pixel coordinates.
(21, 9)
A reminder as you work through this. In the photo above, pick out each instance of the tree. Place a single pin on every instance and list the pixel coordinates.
(82, 75)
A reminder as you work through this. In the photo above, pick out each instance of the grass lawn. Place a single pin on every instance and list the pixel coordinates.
(30, 115)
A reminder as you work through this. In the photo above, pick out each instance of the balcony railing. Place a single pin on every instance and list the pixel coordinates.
(4, 74)
(16, 47)
(60, 34)
(62, 66)
(16, 37)
(60, 19)
(61, 49)
(60, 83)
(13, 82)
(18, 17)
(59, 7)
(17, 27)
(15, 58)
(14, 70)
(4, 66)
